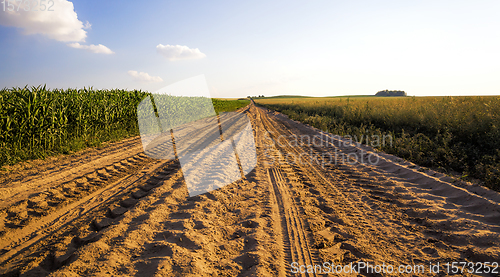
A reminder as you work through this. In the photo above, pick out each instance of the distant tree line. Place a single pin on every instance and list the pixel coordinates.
(391, 93)
(259, 96)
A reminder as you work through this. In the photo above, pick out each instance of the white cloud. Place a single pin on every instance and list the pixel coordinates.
(144, 77)
(61, 24)
(99, 49)
(87, 26)
(179, 52)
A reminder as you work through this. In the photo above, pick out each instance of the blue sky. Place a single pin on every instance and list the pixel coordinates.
(316, 48)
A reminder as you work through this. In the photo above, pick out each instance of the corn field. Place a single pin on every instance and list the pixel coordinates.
(37, 122)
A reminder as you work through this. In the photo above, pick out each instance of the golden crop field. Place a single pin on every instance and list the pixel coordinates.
(460, 134)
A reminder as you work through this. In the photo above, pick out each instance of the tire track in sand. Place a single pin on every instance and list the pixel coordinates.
(295, 240)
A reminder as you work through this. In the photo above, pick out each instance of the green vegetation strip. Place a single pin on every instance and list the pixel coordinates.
(37, 122)
(229, 105)
(460, 134)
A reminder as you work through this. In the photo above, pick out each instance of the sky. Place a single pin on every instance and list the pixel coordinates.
(315, 48)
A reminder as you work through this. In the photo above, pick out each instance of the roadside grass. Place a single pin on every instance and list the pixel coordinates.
(460, 134)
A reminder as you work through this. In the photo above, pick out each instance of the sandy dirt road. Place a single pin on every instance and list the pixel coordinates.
(312, 199)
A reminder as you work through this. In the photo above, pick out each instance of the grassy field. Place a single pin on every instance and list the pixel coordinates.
(460, 134)
(36, 122)
(287, 98)
(223, 105)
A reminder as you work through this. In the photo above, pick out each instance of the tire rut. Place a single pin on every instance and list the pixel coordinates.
(86, 216)
(296, 239)
(22, 213)
(296, 242)
(31, 181)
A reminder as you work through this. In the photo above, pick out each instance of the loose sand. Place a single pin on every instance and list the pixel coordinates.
(115, 211)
